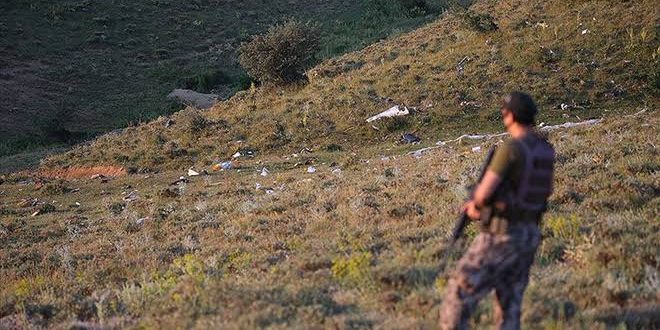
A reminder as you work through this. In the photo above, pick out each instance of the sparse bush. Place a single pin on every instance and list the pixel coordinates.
(282, 54)
(353, 270)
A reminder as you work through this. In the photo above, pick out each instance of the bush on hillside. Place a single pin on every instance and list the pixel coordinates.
(282, 54)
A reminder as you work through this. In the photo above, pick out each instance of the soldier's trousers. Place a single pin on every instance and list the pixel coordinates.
(493, 262)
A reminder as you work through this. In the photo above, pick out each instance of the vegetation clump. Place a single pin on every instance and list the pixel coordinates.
(282, 54)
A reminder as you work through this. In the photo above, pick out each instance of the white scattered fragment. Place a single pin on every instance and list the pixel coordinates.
(585, 31)
(394, 111)
(257, 186)
(418, 153)
(473, 104)
(226, 165)
(264, 172)
(336, 171)
(132, 196)
(311, 169)
(78, 204)
(270, 191)
(141, 221)
(564, 106)
(97, 176)
(236, 155)
(192, 172)
(590, 122)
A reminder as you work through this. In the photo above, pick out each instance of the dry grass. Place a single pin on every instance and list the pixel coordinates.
(352, 249)
(357, 243)
(538, 47)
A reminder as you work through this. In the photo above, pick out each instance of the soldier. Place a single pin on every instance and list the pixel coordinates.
(514, 192)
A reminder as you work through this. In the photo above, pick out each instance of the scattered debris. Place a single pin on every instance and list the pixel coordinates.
(45, 208)
(473, 104)
(311, 169)
(169, 122)
(590, 122)
(236, 155)
(264, 172)
(471, 137)
(476, 149)
(336, 171)
(394, 111)
(410, 138)
(192, 172)
(132, 196)
(224, 166)
(180, 180)
(585, 31)
(440, 144)
(460, 67)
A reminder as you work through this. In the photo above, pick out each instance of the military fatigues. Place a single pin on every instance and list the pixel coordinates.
(499, 258)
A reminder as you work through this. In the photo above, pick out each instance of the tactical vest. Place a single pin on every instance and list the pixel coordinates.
(536, 181)
(527, 200)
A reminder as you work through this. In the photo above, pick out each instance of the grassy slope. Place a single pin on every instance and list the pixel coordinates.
(355, 249)
(91, 66)
(359, 248)
(610, 68)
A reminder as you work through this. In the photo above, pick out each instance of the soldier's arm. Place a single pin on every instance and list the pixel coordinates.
(486, 188)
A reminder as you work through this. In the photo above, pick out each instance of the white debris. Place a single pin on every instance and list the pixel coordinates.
(542, 127)
(264, 172)
(336, 171)
(585, 31)
(192, 172)
(236, 155)
(226, 165)
(394, 111)
(132, 196)
(311, 169)
(590, 122)
(473, 104)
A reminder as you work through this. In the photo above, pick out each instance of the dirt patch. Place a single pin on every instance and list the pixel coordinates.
(82, 172)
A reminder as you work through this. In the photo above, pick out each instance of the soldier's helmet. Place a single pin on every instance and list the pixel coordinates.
(522, 107)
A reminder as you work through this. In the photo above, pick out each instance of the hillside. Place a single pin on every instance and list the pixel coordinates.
(72, 69)
(594, 57)
(345, 228)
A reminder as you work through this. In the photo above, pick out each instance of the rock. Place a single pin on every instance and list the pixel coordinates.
(193, 99)
(410, 138)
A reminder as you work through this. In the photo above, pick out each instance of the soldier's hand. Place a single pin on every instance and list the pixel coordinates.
(470, 208)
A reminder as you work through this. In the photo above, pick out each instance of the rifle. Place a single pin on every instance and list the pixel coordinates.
(463, 219)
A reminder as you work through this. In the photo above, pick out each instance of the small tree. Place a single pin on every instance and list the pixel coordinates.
(282, 54)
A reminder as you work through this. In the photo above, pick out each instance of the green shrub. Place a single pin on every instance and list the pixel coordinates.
(354, 269)
(282, 54)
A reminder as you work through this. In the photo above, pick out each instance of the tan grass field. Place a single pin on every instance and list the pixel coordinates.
(356, 244)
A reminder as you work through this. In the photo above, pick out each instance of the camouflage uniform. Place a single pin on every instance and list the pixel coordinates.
(493, 261)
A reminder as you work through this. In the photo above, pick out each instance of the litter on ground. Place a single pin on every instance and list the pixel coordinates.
(394, 111)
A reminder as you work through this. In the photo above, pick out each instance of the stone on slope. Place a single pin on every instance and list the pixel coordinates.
(193, 99)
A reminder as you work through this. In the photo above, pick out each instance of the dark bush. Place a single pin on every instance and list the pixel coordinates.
(282, 54)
